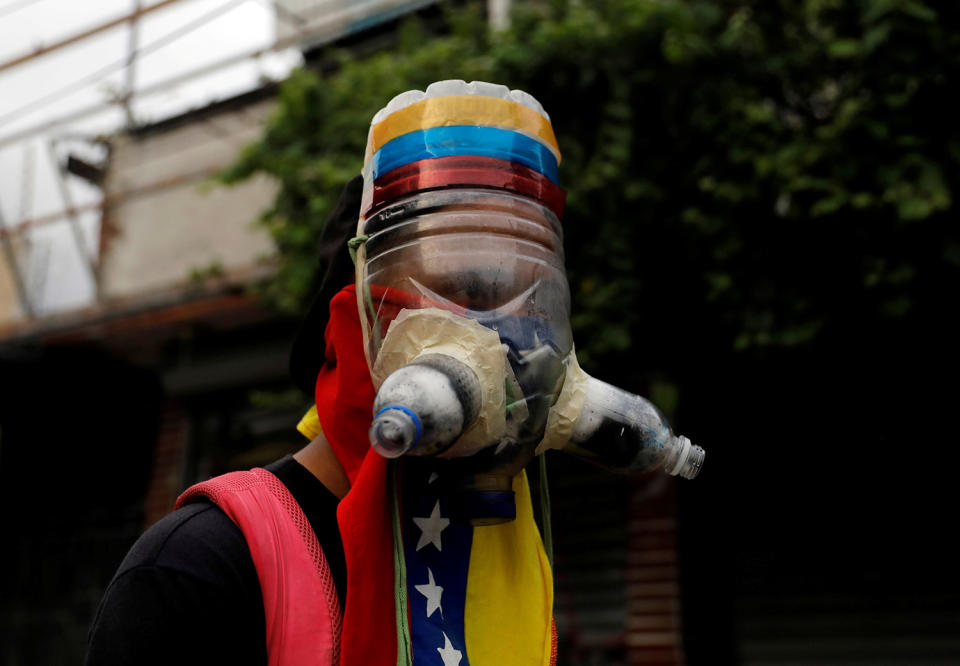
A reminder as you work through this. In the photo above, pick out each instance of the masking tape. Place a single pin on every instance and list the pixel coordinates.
(414, 333)
(465, 171)
(566, 410)
(463, 110)
(462, 140)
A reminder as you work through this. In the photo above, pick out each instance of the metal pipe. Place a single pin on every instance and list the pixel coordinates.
(9, 251)
(280, 44)
(73, 218)
(132, 46)
(44, 50)
(113, 200)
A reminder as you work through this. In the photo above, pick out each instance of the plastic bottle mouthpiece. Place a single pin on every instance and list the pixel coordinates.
(395, 431)
(423, 407)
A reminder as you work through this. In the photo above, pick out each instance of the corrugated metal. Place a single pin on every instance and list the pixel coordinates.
(590, 552)
(617, 592)
(848, 631)
(652, 574)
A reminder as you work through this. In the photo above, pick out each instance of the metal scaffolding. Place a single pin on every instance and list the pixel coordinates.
(321, 23)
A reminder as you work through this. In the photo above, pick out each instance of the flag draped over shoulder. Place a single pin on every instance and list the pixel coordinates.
(423, 587)
(477, 595)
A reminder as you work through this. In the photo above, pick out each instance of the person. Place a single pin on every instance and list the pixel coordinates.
(441, 360)
(188, 590)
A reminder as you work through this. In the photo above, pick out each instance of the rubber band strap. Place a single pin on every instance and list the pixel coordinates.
(404, 645)
(353, 244)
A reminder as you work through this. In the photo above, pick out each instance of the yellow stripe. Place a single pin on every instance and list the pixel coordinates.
(509, 606)
(309, 425)
(463, 110)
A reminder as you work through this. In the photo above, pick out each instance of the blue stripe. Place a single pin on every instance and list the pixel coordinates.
(465, 140)
(449, 568)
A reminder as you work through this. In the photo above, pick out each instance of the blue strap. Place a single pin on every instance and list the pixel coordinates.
(465, 140)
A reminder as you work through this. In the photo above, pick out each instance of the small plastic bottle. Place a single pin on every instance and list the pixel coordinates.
(626, 433)
(423, 407)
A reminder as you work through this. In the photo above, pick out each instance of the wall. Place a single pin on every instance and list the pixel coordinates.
(163, 218)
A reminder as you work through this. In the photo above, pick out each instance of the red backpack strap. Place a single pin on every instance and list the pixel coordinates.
(303, 620)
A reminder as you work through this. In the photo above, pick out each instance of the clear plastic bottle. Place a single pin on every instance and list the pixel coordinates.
(423, 407)
(626, 433)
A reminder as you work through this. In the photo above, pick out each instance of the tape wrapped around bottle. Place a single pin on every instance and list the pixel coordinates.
(567, 409)
(414, 333)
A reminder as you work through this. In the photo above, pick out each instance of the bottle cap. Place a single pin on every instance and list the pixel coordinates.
(394, 431)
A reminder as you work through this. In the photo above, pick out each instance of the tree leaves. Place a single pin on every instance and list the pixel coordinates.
(728, 164)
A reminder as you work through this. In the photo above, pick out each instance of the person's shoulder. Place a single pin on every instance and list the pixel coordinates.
(198, 539)
(187, 593)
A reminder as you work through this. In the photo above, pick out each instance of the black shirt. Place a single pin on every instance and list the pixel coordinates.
(188, 593)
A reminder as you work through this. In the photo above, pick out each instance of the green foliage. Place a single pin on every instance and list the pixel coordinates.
(314, 142)
(745, 174)
(278, 400)
(203, 274)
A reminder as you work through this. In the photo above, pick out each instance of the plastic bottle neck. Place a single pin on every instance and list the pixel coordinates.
(686, 459)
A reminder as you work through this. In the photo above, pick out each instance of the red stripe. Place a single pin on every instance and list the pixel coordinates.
(465, 171)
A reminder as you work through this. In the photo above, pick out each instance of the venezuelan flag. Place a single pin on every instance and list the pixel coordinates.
(480, 596)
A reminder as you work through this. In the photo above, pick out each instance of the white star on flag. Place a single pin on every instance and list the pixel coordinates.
(432, 592)
(450, 656)
(431, 527)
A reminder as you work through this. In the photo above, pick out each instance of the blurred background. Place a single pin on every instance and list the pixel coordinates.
(760, 237)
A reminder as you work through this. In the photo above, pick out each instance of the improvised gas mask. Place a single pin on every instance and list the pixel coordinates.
(464, 302)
